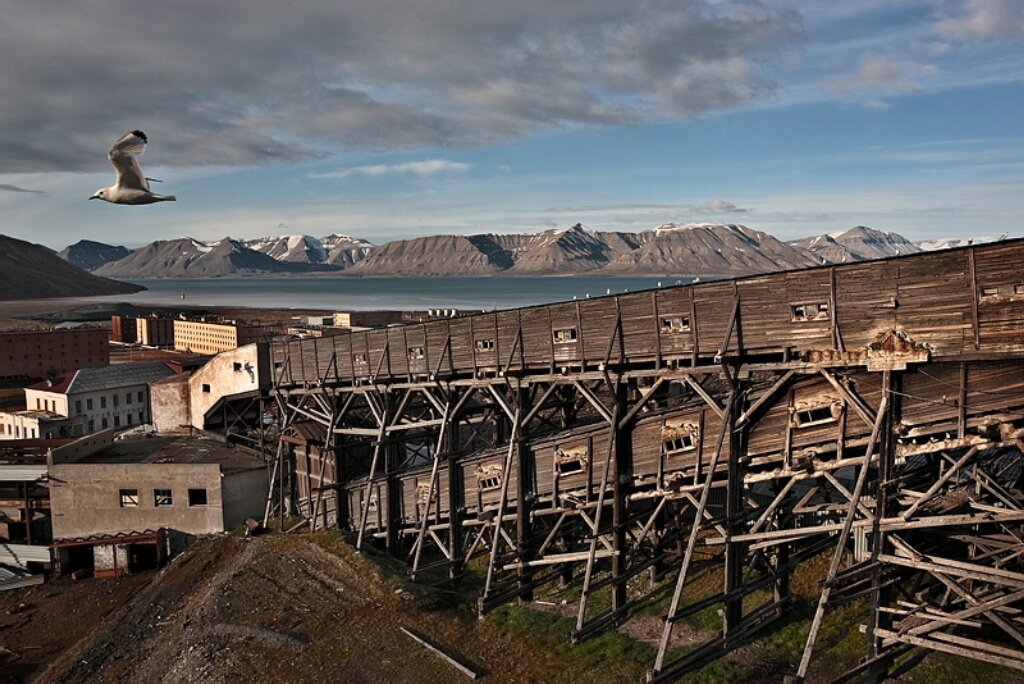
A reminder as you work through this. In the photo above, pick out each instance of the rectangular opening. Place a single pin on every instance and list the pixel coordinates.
(569, 467)
(129, 498)
(674, 324)
(809, 311)
(486, 344)
(162, 497)
(989, 291)
(489, 483)
(416, 353)
(236, 366)
(818, 415)
(196, 497)
(564, 335)
(206, 388)
(1018, 288)
(680, 443)
(360, 358)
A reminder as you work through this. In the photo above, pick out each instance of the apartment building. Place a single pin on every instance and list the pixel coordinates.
(85, 401)
(46, 353)
(153, 331)
(206, 337)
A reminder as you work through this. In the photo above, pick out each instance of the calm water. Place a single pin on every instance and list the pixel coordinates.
(381, 293)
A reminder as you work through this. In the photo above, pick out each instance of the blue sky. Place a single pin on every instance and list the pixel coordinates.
(394, 119)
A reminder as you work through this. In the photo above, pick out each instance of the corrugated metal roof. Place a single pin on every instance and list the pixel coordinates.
(120, 375)
(20, 554)
(17, 579)
(22, 473)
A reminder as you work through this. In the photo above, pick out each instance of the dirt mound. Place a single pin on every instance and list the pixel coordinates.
(279, 608)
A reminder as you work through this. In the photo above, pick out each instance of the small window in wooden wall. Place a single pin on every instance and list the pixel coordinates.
(571, 460)
(486, 344)
(416, 353)
(674, 324)
(372, 505)
(990, 292)
(817, 412)
(1018, 288)
(360, 358)
(489, 478)
(809, 311)
(565, 335)
(679, 438)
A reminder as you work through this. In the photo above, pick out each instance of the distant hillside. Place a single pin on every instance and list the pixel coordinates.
(89, 255)
(857, 244)
(30, 271)
(693, 249)
(190, 258)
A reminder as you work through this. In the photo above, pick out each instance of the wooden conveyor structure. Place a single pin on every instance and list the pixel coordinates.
(873, 412)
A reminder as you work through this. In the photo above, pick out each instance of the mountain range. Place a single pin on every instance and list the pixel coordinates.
(29, 271)
(693, 249)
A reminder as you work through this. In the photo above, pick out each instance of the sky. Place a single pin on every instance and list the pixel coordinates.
(389, 119)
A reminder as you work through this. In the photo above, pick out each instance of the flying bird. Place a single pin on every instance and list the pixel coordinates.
(131, 186)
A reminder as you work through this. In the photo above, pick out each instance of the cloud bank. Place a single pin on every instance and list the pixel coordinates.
(216, 83)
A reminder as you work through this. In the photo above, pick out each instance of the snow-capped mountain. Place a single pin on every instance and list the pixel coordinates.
(293, 248)
(344, 250)
(191, 258)
(335, 250)
(949, 243)
(856, 244)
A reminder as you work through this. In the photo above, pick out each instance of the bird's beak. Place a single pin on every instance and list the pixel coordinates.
(95, 197)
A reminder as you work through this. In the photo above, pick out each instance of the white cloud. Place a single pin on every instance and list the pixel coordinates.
(719, 206)
(986, 19)
(425, 167)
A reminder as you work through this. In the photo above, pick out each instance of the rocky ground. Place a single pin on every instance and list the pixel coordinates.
(308, 608)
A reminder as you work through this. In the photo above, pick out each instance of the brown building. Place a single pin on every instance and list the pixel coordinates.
(153, 331)
(46, 353)
(123, 329)
(205, 337)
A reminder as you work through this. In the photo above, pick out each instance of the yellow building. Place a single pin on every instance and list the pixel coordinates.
(202, 337)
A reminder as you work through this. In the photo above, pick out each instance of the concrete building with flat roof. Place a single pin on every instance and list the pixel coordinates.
(118, 509)
(46, 353)
(204, 337)
(154, 331)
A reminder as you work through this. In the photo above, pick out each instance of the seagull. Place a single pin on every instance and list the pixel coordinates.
(131, 186)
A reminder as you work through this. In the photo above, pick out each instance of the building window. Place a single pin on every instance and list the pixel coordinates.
(162, 497)
(196, 497)
(679, 443)
(360, 358)
(672, 324)
(105, 424)
(78, 406)
(989, 291)
(490, 482)
(39, 404)
(88, 404)
(141, 399)
(117, 421)
(141, 419)
(206, 388)
(1018, 288)
(117, 400)
(237, 367)
(415, 353)
(103, 402)
(815, 415)
(564, 335)
(486, 344)
(129, 498)
(92, 426)
(809, 312)
(127, 397)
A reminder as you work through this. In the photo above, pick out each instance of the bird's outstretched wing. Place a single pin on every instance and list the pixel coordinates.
(124, 156)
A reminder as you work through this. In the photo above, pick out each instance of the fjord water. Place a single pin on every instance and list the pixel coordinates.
(344, 293)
